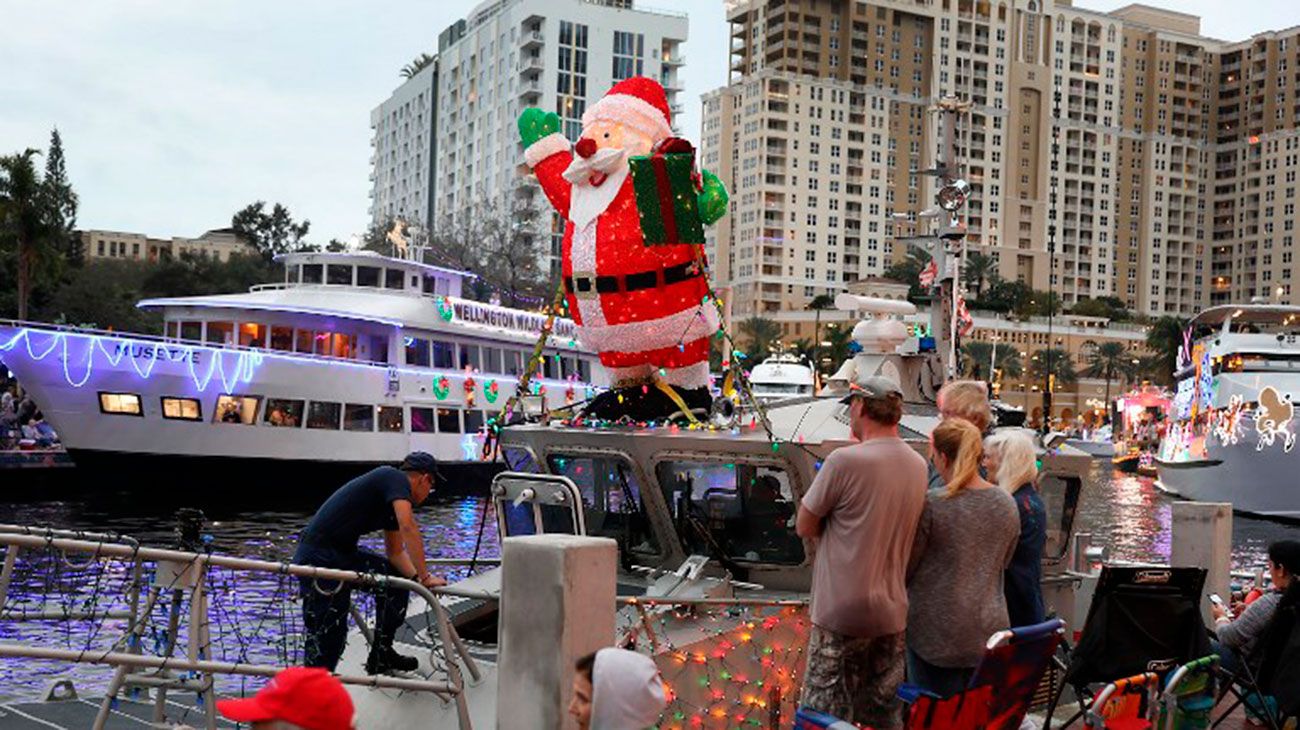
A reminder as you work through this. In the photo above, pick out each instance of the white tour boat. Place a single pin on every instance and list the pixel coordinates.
(353, 360)
(779, 377)
(1233, 437)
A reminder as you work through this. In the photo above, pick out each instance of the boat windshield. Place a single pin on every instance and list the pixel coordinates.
(611, 499)
(746, 511)
(782, 388)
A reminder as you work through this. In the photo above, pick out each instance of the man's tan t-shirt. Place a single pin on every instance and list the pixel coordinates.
(871, 496)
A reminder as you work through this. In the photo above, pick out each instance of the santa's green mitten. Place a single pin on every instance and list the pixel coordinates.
(712, 198)
(535, 124)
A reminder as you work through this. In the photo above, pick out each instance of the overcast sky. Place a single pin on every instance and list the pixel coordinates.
(175, 113)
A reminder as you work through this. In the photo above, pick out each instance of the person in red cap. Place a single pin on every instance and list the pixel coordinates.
(299, 698)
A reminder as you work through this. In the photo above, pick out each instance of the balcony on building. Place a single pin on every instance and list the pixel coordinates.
(531, 38)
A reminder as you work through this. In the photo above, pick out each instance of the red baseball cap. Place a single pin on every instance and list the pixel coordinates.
(308, 697)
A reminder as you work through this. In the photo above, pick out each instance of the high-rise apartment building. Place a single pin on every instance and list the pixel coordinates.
(402, 151)
(1154, 160)
(446, 142)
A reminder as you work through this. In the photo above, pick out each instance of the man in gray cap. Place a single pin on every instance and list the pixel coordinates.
(381, 499)
(862, 511)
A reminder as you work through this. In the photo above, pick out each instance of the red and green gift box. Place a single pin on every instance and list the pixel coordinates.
(667, 194)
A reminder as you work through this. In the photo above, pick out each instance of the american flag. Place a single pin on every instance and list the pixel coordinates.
(965, 322)
(928, 274)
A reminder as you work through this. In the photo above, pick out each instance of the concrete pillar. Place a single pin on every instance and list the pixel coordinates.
(1201, 536)
(557, 604)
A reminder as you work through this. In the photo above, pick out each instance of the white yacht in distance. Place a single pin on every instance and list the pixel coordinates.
(353, 360)
(1232, 436)
(779, 377)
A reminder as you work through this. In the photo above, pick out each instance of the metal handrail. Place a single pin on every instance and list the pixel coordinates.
(199, 562)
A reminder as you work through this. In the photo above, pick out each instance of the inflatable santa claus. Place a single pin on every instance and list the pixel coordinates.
(643, 306)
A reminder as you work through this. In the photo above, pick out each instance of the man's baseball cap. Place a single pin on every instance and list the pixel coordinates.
(421, 461)
(876, 386)
(308, 697)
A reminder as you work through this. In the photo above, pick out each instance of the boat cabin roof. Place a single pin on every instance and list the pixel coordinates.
(368, 258)
(1254, 313)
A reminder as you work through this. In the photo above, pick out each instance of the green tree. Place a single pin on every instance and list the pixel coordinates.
(840, 338)
(1108, 307)
(1005, 296)
(63, 202)
(1061, 365)
(416, 66)
(1164, 339)
(270, 232)
(1040, 304)
(803, 348)
(979, 269)
(976, 356)
(761, 336)
(103, 294)
(908, 271)
(1109, 360)
(818, 303)
(29, 224)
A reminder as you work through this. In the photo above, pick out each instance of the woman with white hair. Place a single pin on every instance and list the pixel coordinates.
(1010, 459)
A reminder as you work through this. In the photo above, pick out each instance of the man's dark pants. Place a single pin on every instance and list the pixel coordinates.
(325, 611)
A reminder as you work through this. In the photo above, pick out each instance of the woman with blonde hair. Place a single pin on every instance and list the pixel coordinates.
(963, 544)
(1011, 458)
(967, 400)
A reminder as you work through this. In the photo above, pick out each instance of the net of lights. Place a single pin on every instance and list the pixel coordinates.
(724, 666)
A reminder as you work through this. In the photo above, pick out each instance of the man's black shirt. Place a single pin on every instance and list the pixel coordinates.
(361, 506)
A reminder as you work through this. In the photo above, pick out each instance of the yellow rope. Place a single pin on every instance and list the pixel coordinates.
(675, 397)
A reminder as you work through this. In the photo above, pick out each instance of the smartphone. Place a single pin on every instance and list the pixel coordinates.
(1216, 600)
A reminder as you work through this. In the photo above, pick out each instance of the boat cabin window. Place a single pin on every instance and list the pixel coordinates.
(444, 354)
(417, 351)
(473, 421)
(252, 334)
(220, 333)
(511, 362)
(283, 413)
(421, 420)
(324, 415)
(611, 499)
(120, 404)
(521, 460)
(368, 276)
(745, 510)
(237, 409)
(393, 279)
(469, 357)
(335, 344)
(448, 420)
(313, 273)
(584, 370)
(491, 359)
(282, 338)
(303, 340)
(390, 419)
(181, 409)
(358, 417)
(338, 274)
(192, 331)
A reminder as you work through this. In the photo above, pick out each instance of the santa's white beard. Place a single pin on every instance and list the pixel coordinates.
(586, 201)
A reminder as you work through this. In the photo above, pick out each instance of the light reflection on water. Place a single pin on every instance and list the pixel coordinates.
(255, 618)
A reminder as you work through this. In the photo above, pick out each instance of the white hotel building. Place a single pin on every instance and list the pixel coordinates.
(506, 56)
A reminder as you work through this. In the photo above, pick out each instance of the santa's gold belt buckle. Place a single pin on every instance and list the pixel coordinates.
(584, 286)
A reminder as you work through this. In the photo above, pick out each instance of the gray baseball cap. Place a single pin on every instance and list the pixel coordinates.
(876, 386)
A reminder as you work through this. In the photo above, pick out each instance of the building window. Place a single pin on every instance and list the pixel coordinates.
(358, 417)
(120, 404)
(629, 49)
(571, 77)
(182, 409)
(390, 419)
(324, 415)
(237, 409)
(284, 413)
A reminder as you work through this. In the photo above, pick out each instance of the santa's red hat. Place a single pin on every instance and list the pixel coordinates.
(639, 102)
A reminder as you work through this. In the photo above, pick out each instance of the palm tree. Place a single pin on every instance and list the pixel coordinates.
(977, 354)
(25, 217)
(1108, 360)
(762, 335)
(804, 349)
(818, 303)
(840, 338)
(979, 269)
(1062, 367)
(1165, 338)
(414, 67)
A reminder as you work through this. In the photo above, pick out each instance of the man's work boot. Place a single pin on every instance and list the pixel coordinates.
(387, 661)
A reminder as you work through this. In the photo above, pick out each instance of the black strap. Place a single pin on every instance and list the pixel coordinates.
(634, 282)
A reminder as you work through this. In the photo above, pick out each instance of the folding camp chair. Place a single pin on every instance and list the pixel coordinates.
(1142, 619)
(1188, 698)
(1268, 680)
(1125, 704)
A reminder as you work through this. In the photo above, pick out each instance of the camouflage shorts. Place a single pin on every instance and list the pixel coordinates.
(855, 679)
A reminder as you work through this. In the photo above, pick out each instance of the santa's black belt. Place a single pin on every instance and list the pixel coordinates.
(631, 282)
